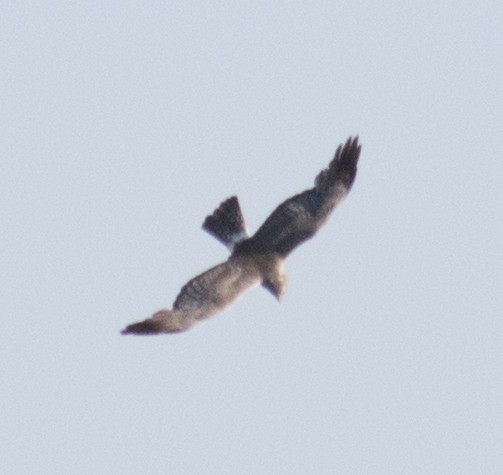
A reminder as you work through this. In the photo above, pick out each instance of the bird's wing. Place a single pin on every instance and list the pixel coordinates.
(202, 297)
(226, 223)
(300, 217)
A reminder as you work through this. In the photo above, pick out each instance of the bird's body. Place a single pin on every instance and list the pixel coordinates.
(257, 259)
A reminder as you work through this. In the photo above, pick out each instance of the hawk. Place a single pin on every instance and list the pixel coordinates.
(257, 259)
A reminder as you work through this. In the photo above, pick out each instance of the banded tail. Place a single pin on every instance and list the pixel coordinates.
(226, 223)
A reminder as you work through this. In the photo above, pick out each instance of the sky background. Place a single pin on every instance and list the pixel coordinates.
(125, 123)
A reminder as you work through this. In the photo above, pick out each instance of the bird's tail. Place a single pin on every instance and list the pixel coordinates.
(226, 223)
(164, 321)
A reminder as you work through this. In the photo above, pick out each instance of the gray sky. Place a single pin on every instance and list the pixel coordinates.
(125, 123)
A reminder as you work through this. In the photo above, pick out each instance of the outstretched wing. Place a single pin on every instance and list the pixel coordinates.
(300, 217)
(226, 223)
(203, 296)
(215, 289)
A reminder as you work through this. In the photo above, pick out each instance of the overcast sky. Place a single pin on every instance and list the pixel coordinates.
(125, 123)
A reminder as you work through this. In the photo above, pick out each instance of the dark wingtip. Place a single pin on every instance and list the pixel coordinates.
(146, 327)
(347, 155)
(342, 167)
(346, 160)
(351, 149)
(163, 321)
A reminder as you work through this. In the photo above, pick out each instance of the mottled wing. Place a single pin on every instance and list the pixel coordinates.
(203, 296)
(300, 217)
(226, 223)
(215, 289)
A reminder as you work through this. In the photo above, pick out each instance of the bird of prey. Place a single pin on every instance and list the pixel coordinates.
(257, 259)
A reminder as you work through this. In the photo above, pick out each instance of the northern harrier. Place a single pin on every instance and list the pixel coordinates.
(257, 259)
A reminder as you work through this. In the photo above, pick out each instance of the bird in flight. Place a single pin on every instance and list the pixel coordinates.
(257, 259)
